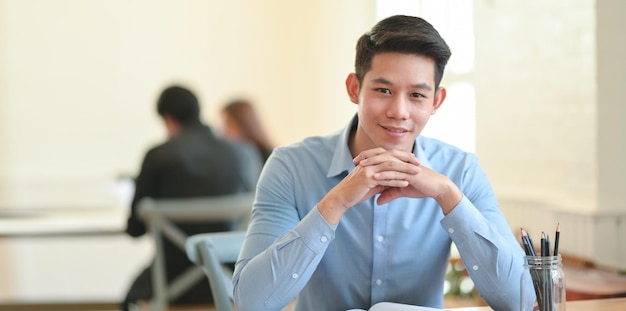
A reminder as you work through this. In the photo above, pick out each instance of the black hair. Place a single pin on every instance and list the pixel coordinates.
(180, 104)
(403, 34)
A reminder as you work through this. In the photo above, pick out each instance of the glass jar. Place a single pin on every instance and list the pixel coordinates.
(542, 284)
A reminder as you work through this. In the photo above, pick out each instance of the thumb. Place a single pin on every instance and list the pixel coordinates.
(388, 195)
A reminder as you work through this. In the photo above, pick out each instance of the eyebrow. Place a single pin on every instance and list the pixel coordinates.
(422, 86)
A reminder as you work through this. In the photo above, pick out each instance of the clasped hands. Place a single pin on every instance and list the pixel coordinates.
(392, 174)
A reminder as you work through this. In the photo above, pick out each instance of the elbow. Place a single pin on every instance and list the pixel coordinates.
(508, 299)
(237, 301)
(246, 304)
(243, 300)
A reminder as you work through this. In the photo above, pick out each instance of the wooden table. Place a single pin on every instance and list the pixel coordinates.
(585, 283)
(611, 304)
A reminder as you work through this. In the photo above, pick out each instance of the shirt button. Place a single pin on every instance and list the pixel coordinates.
(324, 239)
(450, 230)
(380, 238)
(474, 267)
(294, 276)
(379, 281)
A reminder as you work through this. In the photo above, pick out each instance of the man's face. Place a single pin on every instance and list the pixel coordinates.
(396, 99)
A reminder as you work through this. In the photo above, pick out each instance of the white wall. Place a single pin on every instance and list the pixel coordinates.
(550, 109)
(78, 83)
(79, 78)
(611, 144)
(536, 95)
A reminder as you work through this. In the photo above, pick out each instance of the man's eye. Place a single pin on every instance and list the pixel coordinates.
(417, 95)
(382, 90)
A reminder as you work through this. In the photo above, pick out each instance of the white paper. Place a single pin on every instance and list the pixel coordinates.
(390, 306)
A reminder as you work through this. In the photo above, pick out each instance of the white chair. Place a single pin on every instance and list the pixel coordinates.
(213, 252)
(161, 217)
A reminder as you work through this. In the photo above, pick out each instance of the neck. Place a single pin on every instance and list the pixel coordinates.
(173, 127)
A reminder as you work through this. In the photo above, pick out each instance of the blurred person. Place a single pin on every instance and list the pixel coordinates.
(241, 122)
(192, 162)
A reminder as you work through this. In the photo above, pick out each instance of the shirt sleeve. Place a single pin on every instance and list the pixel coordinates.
(280, 251)
(488, 248)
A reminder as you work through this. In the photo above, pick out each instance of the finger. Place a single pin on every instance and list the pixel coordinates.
(394, 183)
(408, 157)
(400, 167)
(390, 175)
(388, 195)
(367, 154)
(392, 155)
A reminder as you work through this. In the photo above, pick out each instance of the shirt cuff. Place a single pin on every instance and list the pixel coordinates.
(315, 231)
(459, 223)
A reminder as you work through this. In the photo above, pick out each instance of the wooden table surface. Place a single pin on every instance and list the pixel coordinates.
(609, 304)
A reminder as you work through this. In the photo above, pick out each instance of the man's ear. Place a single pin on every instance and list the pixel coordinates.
(352, 87)
(440, 96)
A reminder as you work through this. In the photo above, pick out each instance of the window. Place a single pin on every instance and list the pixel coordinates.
(455, 122)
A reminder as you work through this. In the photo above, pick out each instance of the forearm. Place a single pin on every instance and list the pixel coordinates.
(450, 197)
(490, 253)
(331, 210)
(273, 277)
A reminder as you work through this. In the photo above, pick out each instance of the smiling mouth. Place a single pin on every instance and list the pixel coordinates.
(394, 130)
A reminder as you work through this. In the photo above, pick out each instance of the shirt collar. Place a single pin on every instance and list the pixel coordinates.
(420, 154)
(342, 158)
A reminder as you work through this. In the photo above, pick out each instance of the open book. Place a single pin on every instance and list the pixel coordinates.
(390, 306)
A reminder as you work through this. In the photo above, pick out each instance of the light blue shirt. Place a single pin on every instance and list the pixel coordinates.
(396, 252)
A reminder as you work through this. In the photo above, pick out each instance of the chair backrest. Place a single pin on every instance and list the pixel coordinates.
(200, 209)
(161, 216)
(214, 252)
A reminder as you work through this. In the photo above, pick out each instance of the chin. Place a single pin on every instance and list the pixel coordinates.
(401, 147)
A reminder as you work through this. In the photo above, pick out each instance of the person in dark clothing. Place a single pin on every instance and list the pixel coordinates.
(193, 162)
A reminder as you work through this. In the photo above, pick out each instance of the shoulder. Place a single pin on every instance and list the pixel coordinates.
(303, 159)
(197, 141)
(309, 147)
(247, 152)
(435, 146)
(157, 150)
(440, 153)
(243, 146)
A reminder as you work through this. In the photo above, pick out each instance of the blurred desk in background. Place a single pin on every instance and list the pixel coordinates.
(64, 208)
(54, 222)
(64, 242)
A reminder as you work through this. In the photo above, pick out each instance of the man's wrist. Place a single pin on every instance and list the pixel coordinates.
(331, 212)
(449, 199)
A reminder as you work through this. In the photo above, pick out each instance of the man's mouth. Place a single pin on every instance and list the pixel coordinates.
(394, 129)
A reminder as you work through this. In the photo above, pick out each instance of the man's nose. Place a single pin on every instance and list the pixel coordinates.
(398, 107)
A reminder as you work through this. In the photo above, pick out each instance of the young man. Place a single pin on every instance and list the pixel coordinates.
(368, 214)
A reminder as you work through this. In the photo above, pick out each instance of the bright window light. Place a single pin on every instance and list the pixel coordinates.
(455, 122)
